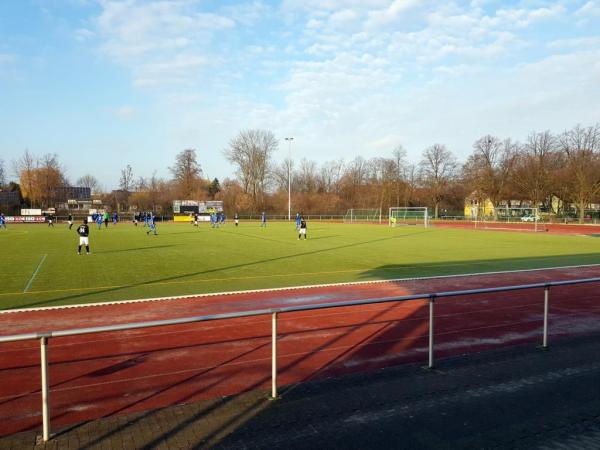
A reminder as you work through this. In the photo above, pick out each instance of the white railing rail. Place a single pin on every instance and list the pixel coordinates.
(45, 336)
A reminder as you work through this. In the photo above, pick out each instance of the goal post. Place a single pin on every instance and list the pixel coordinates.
(363, 215)
(414, 215)
(511, 218)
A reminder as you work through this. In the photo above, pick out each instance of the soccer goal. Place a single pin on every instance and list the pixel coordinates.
(408, 216)
(510, 218)
(362, 215)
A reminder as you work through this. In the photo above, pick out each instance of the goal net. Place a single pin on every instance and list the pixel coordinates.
(362, 215)
(408, 216)
(510, 218)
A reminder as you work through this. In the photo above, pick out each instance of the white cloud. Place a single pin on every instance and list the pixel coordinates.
(353, 76)
(7, 58)
(125, 112)
(83, 34)
(385, 16)
(523, 17)
(162, 42)
(9, 66)
(591, 8)
(569, 44)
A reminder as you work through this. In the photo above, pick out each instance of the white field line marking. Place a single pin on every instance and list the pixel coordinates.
(35, 273)
(289, 288)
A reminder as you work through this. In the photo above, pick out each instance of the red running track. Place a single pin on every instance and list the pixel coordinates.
(554, 228)
(93, 376)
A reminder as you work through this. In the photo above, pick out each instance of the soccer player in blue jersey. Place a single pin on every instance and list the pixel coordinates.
(2, 221)
(263, 220)
(152, 225)
(99, 221)
(297, 221)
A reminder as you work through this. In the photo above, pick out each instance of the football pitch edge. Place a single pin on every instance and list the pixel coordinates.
(93, 376)
(553, 228)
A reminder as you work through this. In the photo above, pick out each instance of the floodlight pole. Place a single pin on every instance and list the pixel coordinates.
(289, 139)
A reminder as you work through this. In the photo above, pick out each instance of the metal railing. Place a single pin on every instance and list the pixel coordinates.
(45, 336)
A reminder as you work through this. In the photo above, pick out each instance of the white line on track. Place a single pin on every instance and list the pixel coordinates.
(35, 273)
(266, 360)
(139, 334)
(291, 288)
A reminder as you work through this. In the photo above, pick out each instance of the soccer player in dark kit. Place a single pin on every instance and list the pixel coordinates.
(84, 231)
(302, 228)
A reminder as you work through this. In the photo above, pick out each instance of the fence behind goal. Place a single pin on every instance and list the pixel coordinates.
(362, 215)
(408, 216)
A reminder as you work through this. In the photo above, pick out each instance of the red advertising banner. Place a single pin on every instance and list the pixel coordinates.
(25, 219)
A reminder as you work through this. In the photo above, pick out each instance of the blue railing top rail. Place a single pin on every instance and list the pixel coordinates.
(286, 309)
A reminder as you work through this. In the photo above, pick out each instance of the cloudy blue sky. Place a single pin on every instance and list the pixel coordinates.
(106, 83)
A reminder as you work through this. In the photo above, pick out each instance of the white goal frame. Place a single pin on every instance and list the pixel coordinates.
(504, 215)
(412, 210)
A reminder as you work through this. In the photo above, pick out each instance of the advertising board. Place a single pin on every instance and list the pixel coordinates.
(25, 219)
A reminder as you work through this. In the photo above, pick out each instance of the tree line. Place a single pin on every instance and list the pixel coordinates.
(546, 166)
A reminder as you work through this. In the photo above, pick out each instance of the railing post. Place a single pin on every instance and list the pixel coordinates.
(546, 301)
(45, 389)
(431, 302)
(274, 357)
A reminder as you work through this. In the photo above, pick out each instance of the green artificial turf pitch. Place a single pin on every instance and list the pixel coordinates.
(40, 265)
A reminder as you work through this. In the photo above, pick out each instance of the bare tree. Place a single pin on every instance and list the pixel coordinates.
(438, 168)
(126, 180)
(534, 165)
(2, 174)
(89, 181)
(399, 156)
(489, 168)
(280, 174)
(39, 178)
(582, 147)
(410, 176)
(50, 177)
(251, 152)
(331, 174)
(140, 184)
(187, 173)
(307, 176)
(383, 176)
(24, 168)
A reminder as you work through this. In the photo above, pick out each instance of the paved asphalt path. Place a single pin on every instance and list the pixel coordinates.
(516, 398)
